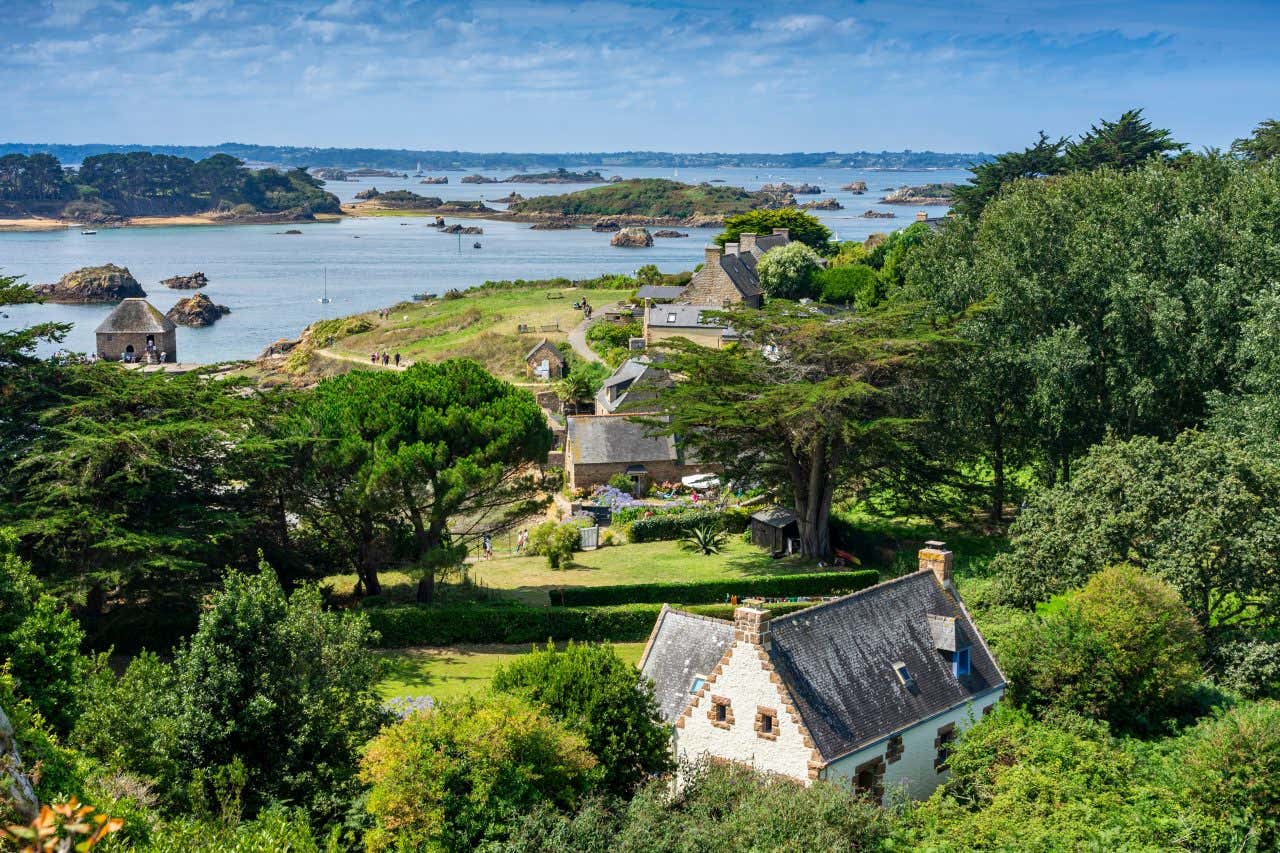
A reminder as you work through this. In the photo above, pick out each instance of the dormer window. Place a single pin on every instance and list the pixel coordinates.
(960, 662)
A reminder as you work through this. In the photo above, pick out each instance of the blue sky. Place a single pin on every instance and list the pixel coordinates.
(949, 75)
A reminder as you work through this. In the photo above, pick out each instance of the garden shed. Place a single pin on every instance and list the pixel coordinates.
(545, 361)
(775, 529)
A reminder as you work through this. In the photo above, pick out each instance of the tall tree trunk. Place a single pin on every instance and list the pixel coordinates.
(813, 493)
(366, 564)
(997, 468)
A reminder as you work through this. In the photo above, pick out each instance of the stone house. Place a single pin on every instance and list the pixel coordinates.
(544, 361)
(728, 273)
(682, 320)
(137, 331)
(633, 384)
(598, 447)
(869, 689)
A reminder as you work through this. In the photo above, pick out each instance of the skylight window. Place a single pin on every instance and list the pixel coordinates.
(671, 317)
(698, 681)
(904, 674)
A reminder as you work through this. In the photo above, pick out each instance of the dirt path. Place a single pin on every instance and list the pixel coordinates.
(578, 340)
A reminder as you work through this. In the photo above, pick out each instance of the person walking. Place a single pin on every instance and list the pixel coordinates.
(373, 358)
(487, 544)
(386, 359)
(397, 359)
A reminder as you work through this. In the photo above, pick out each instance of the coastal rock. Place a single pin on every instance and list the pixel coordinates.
(196, 311)
(282, 346)
(801, 189)
(366, 195)
(703, 220)
(92, 285)
(823, 204)
(669, 234)
(461, 229)
(877, 214)
(375, 173)
(559, 176)
(606, 226)
(874, 240)
(473, 207)
(20, 794)
(928, 194)
(616, 179)
(478, 179)
(632, 238)
(291, 231)
(328, 174)
(431, 179)
(512, 198)
(552, 225)
(855, 187)
(195, 281)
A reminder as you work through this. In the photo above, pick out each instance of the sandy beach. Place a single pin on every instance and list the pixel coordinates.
(44, 223)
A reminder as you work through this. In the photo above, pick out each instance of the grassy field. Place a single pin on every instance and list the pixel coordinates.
(443, 673)
(481, 325)
(528, 578)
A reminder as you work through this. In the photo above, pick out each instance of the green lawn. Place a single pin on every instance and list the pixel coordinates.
(443, 673)
(528, 578)
(482, 325)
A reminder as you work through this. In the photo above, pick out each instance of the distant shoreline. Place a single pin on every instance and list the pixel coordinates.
(46, 223)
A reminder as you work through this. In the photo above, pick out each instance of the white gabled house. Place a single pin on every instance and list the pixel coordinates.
(869, 689)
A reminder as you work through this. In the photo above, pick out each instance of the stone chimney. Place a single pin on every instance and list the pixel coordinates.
(935, 557)
(713, 253)
(782, 232)
(746, 241)
(731, 248)
(921, 216)
(751, 625)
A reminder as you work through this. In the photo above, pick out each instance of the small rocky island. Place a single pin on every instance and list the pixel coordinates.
(927, 194)
(196, 311)
(669, 234)
(330, 174)
(559, 176)
(822, 204)
(478, 179)
(195, 281)
(855, 187)
(632, 238)
(877, 214)
(92, 286)
(433, 179)
(802, 189)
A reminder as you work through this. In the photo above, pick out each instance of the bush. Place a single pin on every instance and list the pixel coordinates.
(1232, 767)
(621, 482)
(852, 285)
(1250, 666)
(686, 592)
(1124, 649)
(787, 272)
(595, 693)
(556, 542)
(672, 526)
(735, 519)
(464, 773)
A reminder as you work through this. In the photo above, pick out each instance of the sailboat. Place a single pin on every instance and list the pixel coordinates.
(419, 173)
(325, 300)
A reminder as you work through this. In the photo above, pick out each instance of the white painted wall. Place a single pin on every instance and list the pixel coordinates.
(746, 683)
(914, 771)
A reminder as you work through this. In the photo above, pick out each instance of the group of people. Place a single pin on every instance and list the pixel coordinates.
(486, 544)
(384, 313)
(385, 357)
(585, 307)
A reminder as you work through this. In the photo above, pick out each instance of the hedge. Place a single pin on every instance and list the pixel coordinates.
(768, 586)
(671, 526)
(443, 625)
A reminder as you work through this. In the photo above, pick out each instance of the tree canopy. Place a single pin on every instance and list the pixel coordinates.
(803, 227)
(1262, 144)
(787, 272)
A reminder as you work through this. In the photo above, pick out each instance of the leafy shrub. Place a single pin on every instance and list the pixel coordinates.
(595, 693)
(1250, 666)
(276, 828)
(621, 482)
(787, 272)
(556, 542)
(767, 586)
(706, 538)
(1124, 649)
(671, 526)
(463, 774)
(851, 285)
(735, 519)
(1232, 767)
(442, 625)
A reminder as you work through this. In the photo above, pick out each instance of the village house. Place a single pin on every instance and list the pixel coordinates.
(599, 447)
(631, 386)
(137, 331)
(728, 275)
(869, 689)
(681, 320)
(544, 361)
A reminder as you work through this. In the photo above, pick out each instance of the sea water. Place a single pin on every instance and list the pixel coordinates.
(273, 281)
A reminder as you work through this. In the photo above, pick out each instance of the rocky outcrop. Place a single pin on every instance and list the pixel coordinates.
(632, 238)
(606, 226)
(823, 204)
(667, 233)
(366, 195)
(552, 225)
(19, 793)
(431, 179)
(801, 189)
(478, 179)
(877, 214)
(327, 174)
(704, 220)
(291, 231)
(375, 173)
(461, 229)
(559, 176)
(195, 281)
(855, 187)
(511, 198)
(92, 285)
(928, 194)
(196, 311)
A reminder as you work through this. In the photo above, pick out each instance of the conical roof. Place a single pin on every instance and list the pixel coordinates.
(135, 316)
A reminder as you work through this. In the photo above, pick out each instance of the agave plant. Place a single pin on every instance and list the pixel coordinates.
(703, 538)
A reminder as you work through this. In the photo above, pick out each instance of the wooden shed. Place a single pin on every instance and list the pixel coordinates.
(775, 529)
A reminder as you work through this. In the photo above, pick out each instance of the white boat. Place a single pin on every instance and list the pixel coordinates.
(89, 232)
(325, 300)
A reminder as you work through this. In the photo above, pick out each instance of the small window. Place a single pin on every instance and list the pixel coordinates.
(766, 723)
(722, 713)
(698, 681)
(960, 662)
(904, 674)
(671, 318)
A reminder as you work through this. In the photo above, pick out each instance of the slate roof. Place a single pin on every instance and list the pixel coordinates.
(775, 516)
(681, 647)
(660, 291)
(632, 372)
(551, 348)
(685, 316)
(596, 439)
(744, 277)
(137, 316)
(765, 242)
(837, 659)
